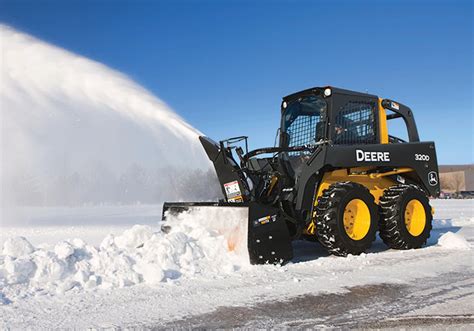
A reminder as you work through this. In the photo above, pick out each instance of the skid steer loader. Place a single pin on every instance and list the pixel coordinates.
(337, 177)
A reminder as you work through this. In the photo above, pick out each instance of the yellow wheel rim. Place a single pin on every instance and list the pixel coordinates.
(356, 219)
(415, 217)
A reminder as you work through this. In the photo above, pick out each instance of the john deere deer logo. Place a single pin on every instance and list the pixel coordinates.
(433, 178)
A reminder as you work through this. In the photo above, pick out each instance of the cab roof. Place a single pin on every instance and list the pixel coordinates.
(320, 90)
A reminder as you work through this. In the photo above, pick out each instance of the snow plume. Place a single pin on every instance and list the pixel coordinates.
(74, 131)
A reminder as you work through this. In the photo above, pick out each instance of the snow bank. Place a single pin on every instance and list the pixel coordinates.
(452, 240)
(138, 255)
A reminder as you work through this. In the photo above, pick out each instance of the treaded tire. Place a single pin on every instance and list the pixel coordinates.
(393, 230)
(330, 230)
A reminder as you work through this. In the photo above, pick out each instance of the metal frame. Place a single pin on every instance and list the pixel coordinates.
(404, 112)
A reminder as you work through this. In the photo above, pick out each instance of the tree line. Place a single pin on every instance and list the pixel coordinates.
(136, 185)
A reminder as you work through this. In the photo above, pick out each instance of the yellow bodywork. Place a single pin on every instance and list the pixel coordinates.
(383, 128)
(375, 183)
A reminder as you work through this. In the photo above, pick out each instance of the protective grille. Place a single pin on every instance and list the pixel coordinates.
(303, 130)
(355, 124)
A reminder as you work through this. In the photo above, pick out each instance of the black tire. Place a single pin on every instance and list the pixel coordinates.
(330, 229)
(392, 227)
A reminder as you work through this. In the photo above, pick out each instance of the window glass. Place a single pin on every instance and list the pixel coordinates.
(302, 120)
(355, 124)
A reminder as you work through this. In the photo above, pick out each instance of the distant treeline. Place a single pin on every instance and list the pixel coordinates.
(135, 185)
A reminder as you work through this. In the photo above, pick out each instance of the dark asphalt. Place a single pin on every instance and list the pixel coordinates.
(363, 307)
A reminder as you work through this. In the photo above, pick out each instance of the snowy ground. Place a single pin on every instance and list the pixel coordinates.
(92, 224)
(430, 287)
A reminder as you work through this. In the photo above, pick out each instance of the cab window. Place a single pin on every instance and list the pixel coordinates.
(303, 120)
(355, 124)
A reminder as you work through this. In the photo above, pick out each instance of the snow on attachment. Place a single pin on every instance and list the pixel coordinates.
(230, 223)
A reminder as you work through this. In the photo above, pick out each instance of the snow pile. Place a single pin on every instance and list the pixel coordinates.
(452, 240)
(138, 255)
(16, 247)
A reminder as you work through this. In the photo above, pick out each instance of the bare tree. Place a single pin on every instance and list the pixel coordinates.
(452, 181)
(447, 184)
(458, 180)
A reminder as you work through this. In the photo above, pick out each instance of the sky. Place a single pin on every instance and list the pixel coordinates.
(224, 65)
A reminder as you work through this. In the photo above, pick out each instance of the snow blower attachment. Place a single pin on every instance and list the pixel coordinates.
(336, 177)
(253, 231)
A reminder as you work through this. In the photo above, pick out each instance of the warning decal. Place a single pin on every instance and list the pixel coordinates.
(232, 191)
(265, 220)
